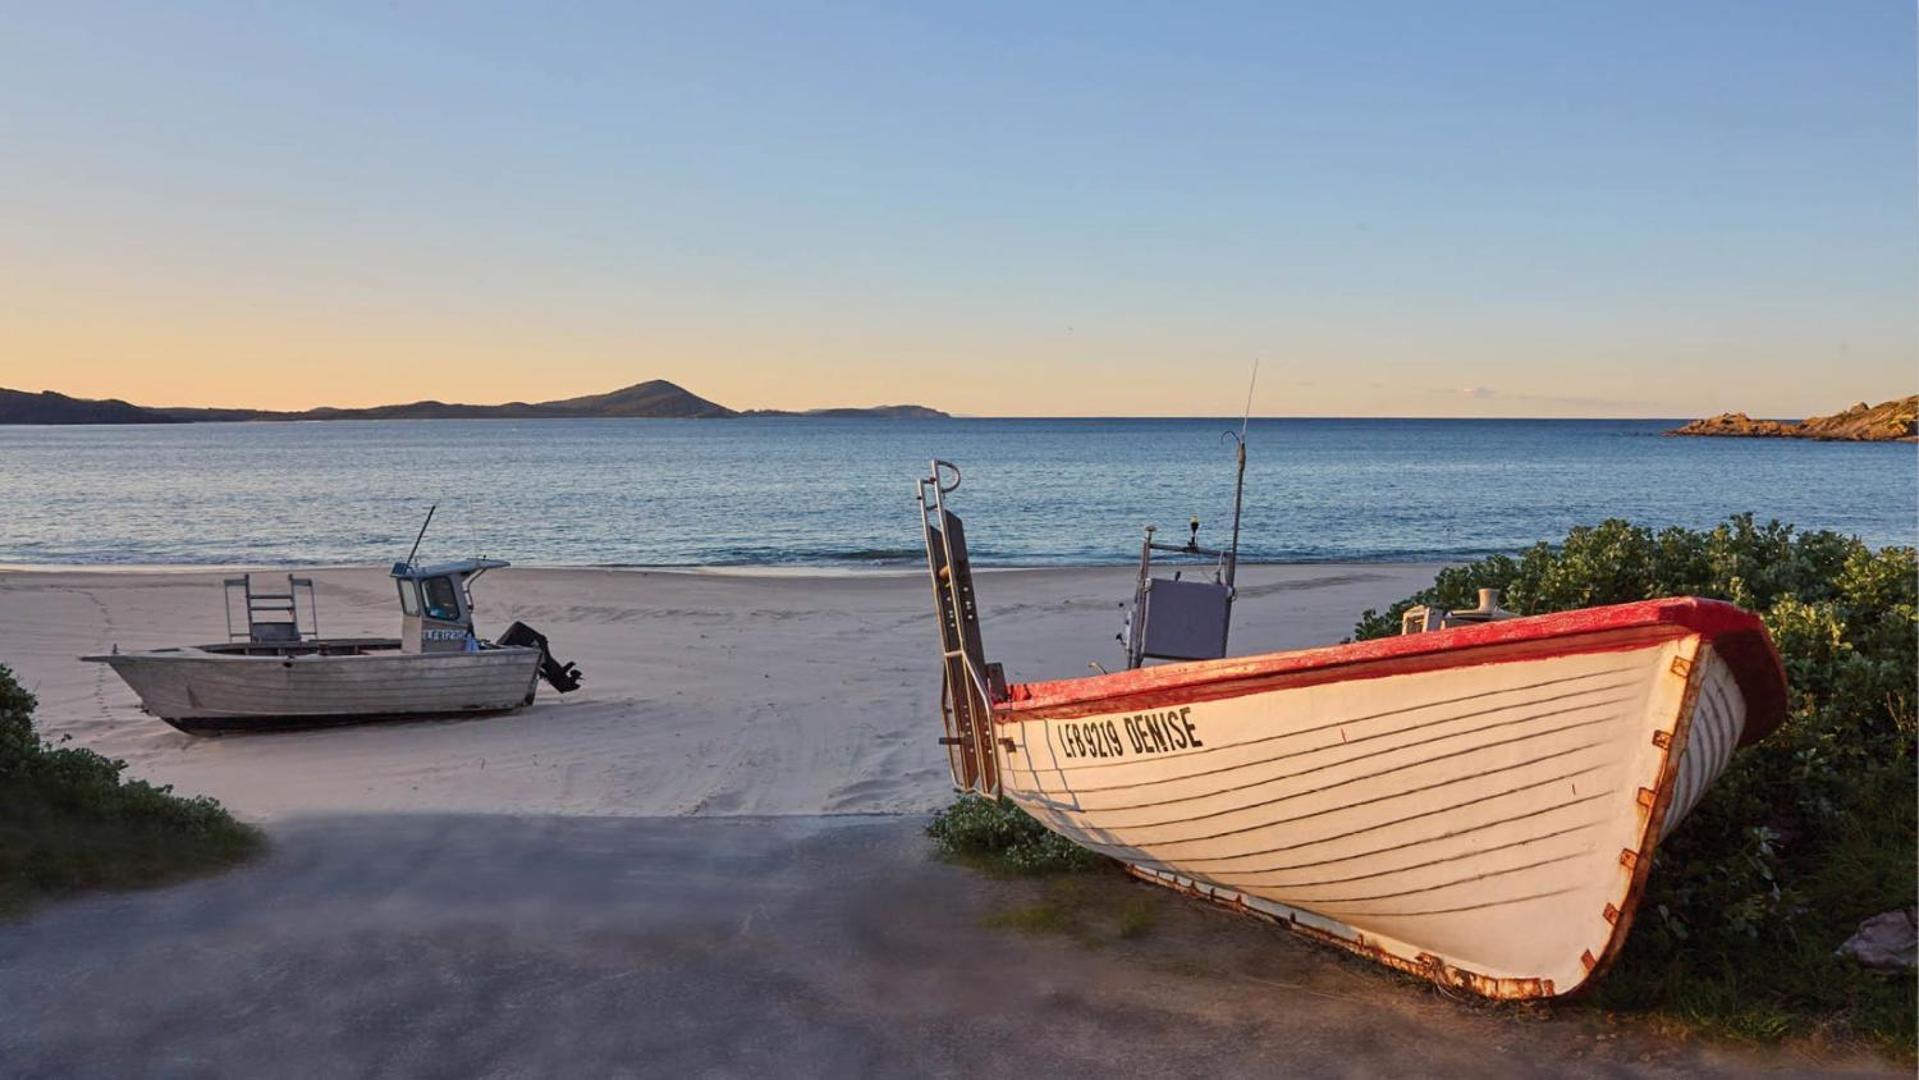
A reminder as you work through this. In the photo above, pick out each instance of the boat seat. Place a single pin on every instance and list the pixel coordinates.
(1184, 620)
(273, 632)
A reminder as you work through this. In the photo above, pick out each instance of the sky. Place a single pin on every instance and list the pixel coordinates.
(1396, 209)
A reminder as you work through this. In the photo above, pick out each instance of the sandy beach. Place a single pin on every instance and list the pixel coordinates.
(709, 861)
(706, 693)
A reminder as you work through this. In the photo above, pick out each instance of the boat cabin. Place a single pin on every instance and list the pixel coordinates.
(436, 604)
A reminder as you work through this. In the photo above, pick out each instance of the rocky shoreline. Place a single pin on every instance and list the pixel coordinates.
(1890, 421)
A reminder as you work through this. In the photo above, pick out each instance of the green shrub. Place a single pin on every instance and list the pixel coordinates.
(998, 834)
(68, 821)
(1809, 831)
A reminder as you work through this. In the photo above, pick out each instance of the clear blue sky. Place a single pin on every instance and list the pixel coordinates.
(1401, 208)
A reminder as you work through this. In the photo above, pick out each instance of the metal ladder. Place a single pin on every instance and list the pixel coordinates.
(970, 685)
(272, 617)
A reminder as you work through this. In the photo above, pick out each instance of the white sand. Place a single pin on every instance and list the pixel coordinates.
(705, 694)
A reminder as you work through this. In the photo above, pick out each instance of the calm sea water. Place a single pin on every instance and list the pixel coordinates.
(825, 492)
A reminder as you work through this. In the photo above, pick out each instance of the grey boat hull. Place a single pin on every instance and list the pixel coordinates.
(199, 690)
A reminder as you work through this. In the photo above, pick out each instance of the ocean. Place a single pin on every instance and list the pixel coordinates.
(794, 492)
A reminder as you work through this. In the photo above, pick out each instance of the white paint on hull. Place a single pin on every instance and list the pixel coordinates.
(1718, 723)
(195, 685)
(1473, 817)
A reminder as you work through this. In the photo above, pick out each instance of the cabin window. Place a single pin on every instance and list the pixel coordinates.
(409, 597)
(442, 600)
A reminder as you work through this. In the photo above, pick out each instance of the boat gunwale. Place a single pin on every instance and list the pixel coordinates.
(1736, 634)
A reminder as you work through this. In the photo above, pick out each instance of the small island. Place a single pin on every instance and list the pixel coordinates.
(654, 399)
(1890, 421)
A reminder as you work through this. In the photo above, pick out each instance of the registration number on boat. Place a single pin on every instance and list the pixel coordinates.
(1142, 733)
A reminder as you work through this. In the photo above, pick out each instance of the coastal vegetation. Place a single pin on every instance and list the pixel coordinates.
(1811, 830)
(70, 821)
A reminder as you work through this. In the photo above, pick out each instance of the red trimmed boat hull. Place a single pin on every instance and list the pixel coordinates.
(1478, 805)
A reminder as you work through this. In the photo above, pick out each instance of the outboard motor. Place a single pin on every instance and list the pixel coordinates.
(562, 677)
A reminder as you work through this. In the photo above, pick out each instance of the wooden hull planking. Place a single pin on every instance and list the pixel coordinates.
(1483, 816)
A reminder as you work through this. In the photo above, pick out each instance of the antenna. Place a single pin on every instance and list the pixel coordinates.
(1239, 483)
(436, 506)
(1248, 417)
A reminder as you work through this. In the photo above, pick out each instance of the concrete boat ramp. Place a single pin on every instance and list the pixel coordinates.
(497, 946)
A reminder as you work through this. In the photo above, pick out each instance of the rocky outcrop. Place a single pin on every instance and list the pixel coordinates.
(1888, 421)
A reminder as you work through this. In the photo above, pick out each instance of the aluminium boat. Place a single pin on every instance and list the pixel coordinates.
(275, 671)
(1476, 801)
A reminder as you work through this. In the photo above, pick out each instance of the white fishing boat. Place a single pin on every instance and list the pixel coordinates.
(1476, 801)
(276, 671)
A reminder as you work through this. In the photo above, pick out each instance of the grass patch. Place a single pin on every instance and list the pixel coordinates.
(1000, 838)
(70, 822)
(1048, 916)
(1090, 908)
(1809, 831)
(1137, 918)
(994, 834)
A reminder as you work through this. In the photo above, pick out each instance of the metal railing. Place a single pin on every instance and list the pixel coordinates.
(257, 604)
(966, 698)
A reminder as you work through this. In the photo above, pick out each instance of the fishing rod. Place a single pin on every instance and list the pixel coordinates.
(1196, 616)
(1230, 556)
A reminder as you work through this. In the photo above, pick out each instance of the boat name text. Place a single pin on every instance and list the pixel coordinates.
(1145, 733)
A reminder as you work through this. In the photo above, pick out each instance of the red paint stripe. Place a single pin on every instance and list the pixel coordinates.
(1738, 636)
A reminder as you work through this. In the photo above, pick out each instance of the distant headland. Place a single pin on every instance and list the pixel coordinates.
(655, 399)
(1888, 421)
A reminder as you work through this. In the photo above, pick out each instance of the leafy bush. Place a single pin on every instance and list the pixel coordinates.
(998, 834)
(68, 821)
(1809, 831)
